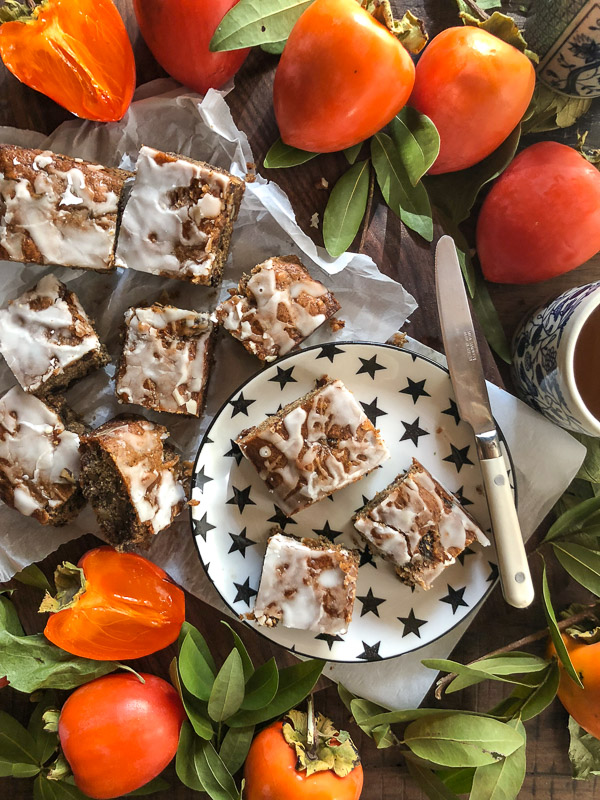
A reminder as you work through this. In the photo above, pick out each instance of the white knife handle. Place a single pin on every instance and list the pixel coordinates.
(515, 576)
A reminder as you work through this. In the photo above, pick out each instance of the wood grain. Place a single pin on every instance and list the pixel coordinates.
(408, 259)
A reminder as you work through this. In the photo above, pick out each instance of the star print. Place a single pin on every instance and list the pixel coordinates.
(283, 377)
(412, 624)
(366, 557)
(452, 411)
(201, 479)
(203, 526)
(466, 552)
(370, 652)
(493, 576)
(241, 498)
(370, 603)
(459, 457)
(329, 638)
(239, 543)
(328, 532)
(244, 592)
(207, 440)
(369, 366)
(273, 413)
(234, 452)
(464, 501)
(329, 351)
(280, 518)
(372, 411)
(365, 500)
(415, 389)
(240, 406)
(412, 431)
(455, 598)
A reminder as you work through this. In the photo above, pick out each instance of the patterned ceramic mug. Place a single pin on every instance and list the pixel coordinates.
(544, 358)
(566, 36)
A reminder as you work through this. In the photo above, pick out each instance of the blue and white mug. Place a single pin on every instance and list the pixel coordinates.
(544, 358)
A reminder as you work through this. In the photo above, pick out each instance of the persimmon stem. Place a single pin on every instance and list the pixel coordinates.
(525, 640)
(311, 739)
(476, 9)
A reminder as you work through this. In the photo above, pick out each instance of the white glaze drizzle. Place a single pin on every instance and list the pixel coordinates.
(173, 365)
(38, 456)
(42, 208)
(136, 448)
(152, 226)
(314, 468)
(40, 342)
(239, 314)
(293, 587)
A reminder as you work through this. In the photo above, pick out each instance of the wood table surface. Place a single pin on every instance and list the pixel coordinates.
(408, 259)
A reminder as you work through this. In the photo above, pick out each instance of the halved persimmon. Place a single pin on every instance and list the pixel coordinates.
(76, 52)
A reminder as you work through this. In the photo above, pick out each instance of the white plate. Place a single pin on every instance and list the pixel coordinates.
(411, 401)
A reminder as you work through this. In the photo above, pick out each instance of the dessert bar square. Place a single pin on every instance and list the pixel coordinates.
(179, 217)
(132, 478)
(418, 526)
(56, 209)
(276, 307)
(314, 446)
(308, 584)
(39, 457)
(47, 339)
(166, 359)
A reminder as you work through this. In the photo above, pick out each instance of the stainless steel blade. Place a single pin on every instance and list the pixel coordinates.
(460, 342)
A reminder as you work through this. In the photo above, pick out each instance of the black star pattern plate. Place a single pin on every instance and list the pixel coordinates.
(411, 400)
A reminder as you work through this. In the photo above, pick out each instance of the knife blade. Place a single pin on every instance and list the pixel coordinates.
(468, 381)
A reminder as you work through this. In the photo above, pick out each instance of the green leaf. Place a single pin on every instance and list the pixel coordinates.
(197, 711)
(540, 697)
(228, 689)
(252, 22)
(417, 141)
(502, 780)
(44, 789)
(492, 668)
(216, 778)
(195, 672)
(352, 153)
(244, 655)
(409, 202)
(488, 318)
(454, 193)
(577, 519)
(17, 749)
(367, 718)
(235, 746)
(33, 576)
(463, 250)
(584, 752)
(281, 156)
(185, 764)
(200, 643)
(384, 737)
(555, 635)
(458, 780)
(156, 785)
(347, 697)
(9, 619)
(590, 469)
(429, 782)
(262, 686)
(461, 740)
(295, 683)
(32, 663)
(582, 564)
(345, 209)
(273, 48)
(46, 742)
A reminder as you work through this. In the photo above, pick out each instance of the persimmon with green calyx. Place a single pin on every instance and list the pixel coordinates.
(475, 88)
(118, 733)
(583, 645)
(76, 52)
(113, 606)
(344, 73)
(292, 760)
(541, 217)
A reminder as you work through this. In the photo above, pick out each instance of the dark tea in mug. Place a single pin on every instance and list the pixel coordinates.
(586, 363)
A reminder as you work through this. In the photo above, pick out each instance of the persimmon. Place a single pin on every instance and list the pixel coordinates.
(582, 704)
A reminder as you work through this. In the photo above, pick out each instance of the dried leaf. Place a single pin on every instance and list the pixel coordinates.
(584, 752)
(505, 28)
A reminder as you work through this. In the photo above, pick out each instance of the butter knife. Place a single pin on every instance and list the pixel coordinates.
(473, 403)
